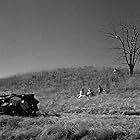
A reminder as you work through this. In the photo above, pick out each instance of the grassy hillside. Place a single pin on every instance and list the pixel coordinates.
(107, 116)
(64, 79)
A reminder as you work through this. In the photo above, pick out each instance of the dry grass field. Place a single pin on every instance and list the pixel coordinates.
(113, 115)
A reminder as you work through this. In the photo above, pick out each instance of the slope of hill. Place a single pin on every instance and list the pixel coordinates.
(103, 116)
(65, 78)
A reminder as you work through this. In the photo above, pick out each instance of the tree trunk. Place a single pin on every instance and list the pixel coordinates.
(131, 69)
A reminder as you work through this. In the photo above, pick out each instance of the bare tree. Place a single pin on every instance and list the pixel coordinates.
(128, 38)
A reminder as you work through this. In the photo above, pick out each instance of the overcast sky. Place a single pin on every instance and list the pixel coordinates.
(46, 34)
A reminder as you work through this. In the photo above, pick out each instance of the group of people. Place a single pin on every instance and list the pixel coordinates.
(89, 92)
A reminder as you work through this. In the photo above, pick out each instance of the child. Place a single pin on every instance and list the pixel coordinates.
(89, 92)
(100, 89)
(81, 93)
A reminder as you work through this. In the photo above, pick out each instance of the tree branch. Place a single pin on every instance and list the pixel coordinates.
(136, 58)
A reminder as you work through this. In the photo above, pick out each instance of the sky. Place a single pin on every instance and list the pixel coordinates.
(47, 34)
